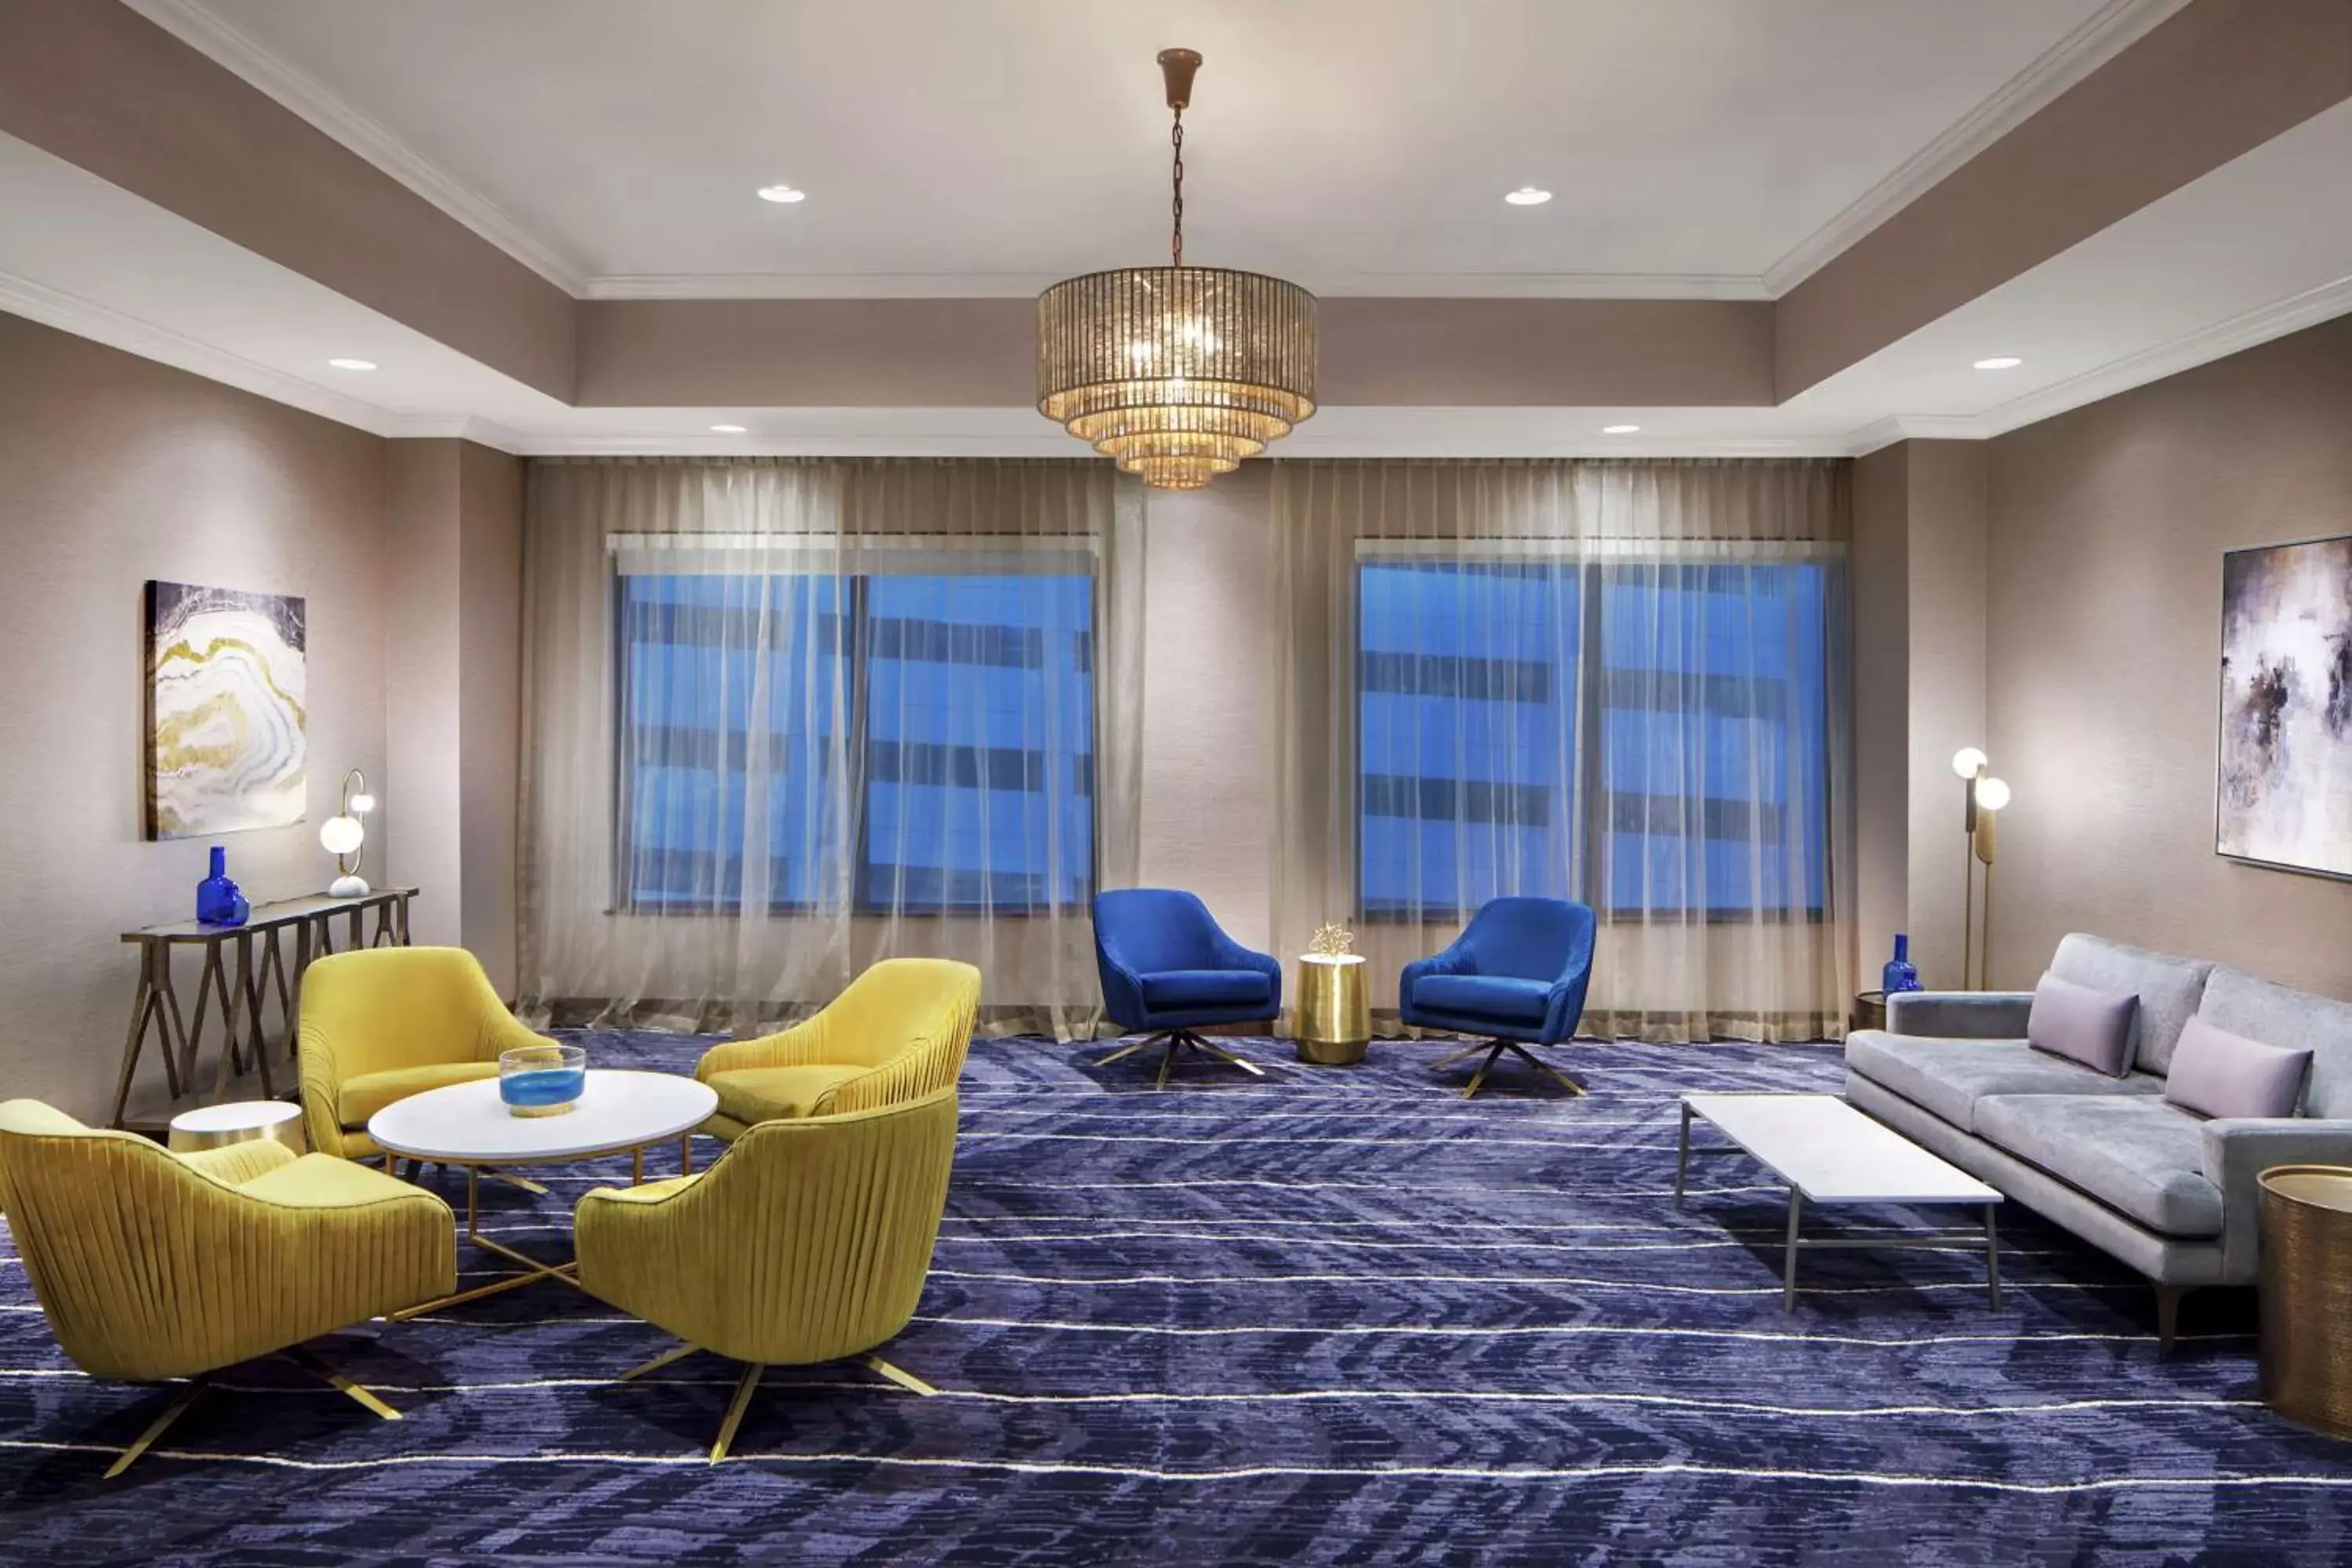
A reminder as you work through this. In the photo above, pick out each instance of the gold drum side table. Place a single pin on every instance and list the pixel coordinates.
(2306, 1294)
(239, 1121)
(1334, 1016)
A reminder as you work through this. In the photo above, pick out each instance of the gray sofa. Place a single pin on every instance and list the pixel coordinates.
(2168, 1192)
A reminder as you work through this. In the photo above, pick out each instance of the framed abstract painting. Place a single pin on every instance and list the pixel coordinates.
(2284, 796)
(226, 743)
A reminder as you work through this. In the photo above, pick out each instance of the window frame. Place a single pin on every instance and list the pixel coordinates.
(1589, 829)
(893, 555)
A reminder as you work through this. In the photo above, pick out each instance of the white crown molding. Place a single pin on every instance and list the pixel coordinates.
(1050, 444)
(2238, 333)
(197, 26)
(2107, 33)
(1027, 285)
(459, 427)
(87, 319)
(1870, 438)
(100, 323)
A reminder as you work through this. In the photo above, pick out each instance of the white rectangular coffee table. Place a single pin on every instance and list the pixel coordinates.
(1831, 1154)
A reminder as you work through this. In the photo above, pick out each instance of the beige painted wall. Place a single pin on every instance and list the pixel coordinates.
(1920, 695)
(114, 470)
(454, 588)
(1947, 690)
(421, 799)
(489, 651)
(1880, 570)
(2107, 526)
(1209, 700)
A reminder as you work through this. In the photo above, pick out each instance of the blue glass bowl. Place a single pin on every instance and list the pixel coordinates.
(543, 1080)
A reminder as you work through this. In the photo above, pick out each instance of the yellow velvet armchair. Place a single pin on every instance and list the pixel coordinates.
(807, 1242)
(152, 1265)
(899, 1031)
(381, 1023)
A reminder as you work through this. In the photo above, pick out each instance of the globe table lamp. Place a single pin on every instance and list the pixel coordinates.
(344, 838)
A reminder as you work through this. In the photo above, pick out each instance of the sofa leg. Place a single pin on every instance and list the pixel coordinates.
(2168, 1316)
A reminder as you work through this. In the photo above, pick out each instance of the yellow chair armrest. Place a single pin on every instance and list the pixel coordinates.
(505, 1031)
(644, 1192)
(802, 1045)
(909, 1075)
(237, 1163)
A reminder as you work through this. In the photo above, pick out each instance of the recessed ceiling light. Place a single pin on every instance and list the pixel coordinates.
(787, 194)
(1620, 430)
(728, 429)
(2000, 361)
(1526, 196)
(352, 363)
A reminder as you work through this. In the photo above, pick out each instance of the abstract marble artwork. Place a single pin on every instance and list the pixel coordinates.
(224, 720)
(2285, 792)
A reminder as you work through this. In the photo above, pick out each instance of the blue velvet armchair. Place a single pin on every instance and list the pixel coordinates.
(1168, 969)
(1516, 975)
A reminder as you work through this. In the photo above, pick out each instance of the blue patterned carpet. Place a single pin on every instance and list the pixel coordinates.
(1333, 1316)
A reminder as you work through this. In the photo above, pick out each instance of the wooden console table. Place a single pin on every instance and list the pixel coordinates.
(243, 966)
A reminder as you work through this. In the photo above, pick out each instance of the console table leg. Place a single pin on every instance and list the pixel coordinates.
(1789, 1269)
(294, 1007)
(250, 980)
(273, 972)
(212, 972)
(146, 1007)
(181, 1039)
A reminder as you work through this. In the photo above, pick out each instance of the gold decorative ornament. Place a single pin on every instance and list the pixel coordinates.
(1176, 372)
(1330, 940)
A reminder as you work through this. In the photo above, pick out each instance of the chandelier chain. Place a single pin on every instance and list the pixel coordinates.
(1176, 205)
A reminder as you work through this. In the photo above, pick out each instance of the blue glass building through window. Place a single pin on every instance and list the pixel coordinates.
(1644, 737)
(922, 742)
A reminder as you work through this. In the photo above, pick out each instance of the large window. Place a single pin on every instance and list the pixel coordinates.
(912, 742)
(1649, 737)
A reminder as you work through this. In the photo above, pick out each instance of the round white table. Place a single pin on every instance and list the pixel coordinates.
(468, 1125)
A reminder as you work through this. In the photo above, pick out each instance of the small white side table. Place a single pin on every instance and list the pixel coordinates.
(239, 1121)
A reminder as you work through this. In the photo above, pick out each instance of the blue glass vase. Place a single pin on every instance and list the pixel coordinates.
(1899, 974)
(218, 902)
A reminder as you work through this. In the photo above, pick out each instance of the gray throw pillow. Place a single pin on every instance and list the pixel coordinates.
(2093, 1028)
(2222, 1074)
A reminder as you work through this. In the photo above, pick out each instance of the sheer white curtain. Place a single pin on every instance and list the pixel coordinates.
(1623, 683)
(786, 717)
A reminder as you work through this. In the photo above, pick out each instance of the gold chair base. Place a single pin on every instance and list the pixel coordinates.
(750, 1381)
(1494, 1050)
(1179, 1040)
(301, 1355)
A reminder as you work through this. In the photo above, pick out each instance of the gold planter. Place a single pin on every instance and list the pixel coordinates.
(1334, 1016)
(2306, 1294)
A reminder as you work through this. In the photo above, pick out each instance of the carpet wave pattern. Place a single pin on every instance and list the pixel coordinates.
(1328, 1315)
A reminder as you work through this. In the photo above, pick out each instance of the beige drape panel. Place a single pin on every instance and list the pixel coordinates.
(786, 717)
(1620, 682)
